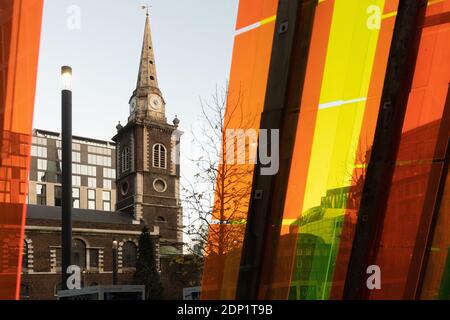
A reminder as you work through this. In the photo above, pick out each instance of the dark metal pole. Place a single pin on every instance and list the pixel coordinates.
(66, 210)
(114, 262)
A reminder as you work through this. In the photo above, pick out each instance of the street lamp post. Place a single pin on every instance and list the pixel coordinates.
(114, 262)
(66, 207)
(83, 283)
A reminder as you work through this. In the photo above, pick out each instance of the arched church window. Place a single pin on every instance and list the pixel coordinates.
(79, 253)
(129, 253)
(126, 159)
(159, 156)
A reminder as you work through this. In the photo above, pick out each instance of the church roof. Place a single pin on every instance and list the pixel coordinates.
(78, 215)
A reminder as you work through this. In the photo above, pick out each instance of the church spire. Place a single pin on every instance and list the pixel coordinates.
(147, 79)
(147, 101)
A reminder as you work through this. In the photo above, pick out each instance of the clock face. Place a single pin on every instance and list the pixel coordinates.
(132, 105)
(155, 102)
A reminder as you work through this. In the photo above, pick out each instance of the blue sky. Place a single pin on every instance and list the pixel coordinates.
(193, 45)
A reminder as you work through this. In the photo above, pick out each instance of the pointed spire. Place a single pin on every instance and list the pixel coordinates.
(147, 101)
(147, 69)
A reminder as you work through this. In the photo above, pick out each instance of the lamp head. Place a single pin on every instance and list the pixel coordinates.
(66, 77)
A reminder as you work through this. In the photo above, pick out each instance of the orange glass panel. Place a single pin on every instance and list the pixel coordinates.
(20, 29)
(255, 11)
(363, 151)
(342, 95)
(419, 158)
(247, 88)
(278, 288)
(436, 283)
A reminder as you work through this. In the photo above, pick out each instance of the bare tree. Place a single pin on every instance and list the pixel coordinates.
(216, 200)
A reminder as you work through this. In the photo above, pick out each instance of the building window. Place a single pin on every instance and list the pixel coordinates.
(92, 183)
(76, 157)
(98, 150)
(76, 181)
(99, 160)
(25, 257)
(41, 195)
(42, 164)
(84, 170)
(107, 184)
(58, 265)
(40, 152)
(159, 156)
(91, 199)
(76, 198)
(82, 256)
(58, 196)
(106, 201)
(129, 252)
(79, 253)
(109, 173)
(93, 258)
(41, 176)
(39, 141)
(91, 171)
(126, 159)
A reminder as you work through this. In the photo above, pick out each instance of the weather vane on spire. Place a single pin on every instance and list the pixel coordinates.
(146, 8)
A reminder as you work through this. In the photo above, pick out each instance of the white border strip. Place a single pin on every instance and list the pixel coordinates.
(339, 103)
(256, 25)
(248, 28)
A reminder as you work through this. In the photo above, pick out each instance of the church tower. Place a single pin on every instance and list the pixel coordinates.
(148, 170)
